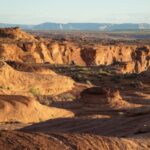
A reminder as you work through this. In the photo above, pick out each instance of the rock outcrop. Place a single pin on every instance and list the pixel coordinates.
(105, 98)
(19, 82)
(130, 58)
(15, 33)
(22, 140)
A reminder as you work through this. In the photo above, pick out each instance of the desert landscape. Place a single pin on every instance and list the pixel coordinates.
(74, 90)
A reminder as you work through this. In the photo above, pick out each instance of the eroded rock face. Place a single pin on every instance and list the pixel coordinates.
(22, 140)
(130, 58)
(142, 58)
(66, 53)
(11, 52)
(104, 98)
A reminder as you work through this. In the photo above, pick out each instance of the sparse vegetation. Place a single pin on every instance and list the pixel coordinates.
(45, 100)
(130, 76)
(67, 97)
(6, 87)
(35, 91)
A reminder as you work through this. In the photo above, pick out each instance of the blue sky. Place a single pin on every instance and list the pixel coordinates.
(38, 11)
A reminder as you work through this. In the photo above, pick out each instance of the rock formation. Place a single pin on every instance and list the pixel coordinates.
(131, 58)
(30, 82)
(15, 108)
(105, 98)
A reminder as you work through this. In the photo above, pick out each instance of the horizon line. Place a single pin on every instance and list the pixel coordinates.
(75, 22)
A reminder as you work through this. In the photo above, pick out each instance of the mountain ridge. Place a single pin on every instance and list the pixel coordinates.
(81, 26)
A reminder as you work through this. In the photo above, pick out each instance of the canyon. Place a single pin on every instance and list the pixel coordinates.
(74, 92)
(26, 48)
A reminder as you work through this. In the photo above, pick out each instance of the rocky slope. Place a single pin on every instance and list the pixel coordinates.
(20, 92)
(15, 33)
(25, 83)
(15, 108)
(20, 140)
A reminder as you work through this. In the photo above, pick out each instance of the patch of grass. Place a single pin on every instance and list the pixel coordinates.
(103, 72)
(35, 91)
(89, 83)
(67, 96)
(83, 74)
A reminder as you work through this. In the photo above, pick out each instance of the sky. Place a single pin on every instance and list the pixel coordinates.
(65, 11)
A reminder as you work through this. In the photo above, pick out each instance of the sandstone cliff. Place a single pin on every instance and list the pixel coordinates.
(23, 47)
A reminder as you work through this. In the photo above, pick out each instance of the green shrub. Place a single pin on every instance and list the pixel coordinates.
(35, 91)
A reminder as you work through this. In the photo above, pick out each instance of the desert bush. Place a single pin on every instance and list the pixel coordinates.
(5, 87)
(45, 100)
(103, 72)
(67, 96)
(89, 83)
(130, 76)
(136, 84)
(116, 79)
(35, 91)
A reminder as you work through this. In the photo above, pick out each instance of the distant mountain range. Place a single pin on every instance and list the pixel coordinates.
(81, 26)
